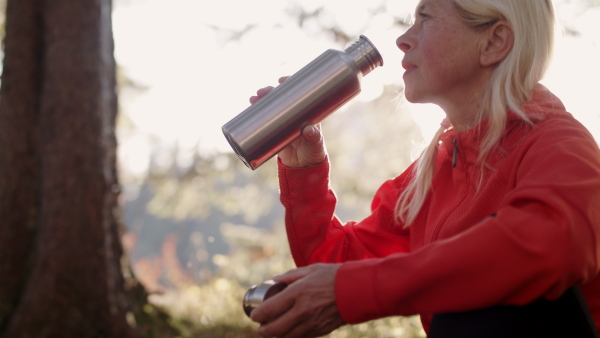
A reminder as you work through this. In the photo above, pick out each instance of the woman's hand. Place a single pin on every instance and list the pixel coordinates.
(308, 149)
(306, 308)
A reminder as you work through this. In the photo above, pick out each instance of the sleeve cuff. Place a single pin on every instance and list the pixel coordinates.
(299, 179)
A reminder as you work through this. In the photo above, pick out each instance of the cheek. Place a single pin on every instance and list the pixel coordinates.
(436, 54)
(435, 66)
(446, 60)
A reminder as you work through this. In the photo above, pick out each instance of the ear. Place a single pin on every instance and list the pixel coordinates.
(497, 42)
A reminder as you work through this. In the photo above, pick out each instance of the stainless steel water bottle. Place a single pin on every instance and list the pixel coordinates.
(307, 97)
(257, 294)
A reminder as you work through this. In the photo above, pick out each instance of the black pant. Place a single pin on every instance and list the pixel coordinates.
(566, 317)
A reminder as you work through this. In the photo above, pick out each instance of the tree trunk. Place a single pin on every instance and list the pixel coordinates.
(60, 252)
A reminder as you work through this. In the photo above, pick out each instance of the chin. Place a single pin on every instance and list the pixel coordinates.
(411, 97)
(416, 96)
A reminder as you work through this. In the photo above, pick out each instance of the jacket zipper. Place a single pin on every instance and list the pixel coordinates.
(455, 152)
(438, 227)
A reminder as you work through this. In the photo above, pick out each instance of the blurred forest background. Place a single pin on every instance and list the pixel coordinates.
(201, 228)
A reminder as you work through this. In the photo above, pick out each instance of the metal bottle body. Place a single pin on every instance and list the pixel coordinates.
(307, 97)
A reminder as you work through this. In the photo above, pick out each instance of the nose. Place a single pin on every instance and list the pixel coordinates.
(404, 43)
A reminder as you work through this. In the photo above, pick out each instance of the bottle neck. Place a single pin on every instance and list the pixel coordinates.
(365, 55)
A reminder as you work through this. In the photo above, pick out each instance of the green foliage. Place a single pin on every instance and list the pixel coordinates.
(218, 182)
(214, 309)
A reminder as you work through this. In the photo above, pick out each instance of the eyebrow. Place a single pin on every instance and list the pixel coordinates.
(420, 8)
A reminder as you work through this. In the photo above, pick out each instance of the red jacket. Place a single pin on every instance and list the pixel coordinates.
(530, 230)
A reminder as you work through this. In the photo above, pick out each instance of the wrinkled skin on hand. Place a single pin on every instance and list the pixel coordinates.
(307, 150)
(306, 308)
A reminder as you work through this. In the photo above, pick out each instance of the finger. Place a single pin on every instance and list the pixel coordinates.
(300, 323)
(283, 78)
(292, 275)
(260, 93)
(273, 307)
(280, 326)
(264, 91)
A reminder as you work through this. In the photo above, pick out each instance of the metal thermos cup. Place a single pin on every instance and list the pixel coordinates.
(257, 294)
(307, 97)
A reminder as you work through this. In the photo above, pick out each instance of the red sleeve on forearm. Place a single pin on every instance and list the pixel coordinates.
(314, 232)
(309, 211)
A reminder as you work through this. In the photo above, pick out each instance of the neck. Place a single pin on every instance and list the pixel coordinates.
(464, 110)
(465, 115)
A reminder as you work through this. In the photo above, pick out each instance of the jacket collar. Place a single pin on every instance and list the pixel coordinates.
(541, 105)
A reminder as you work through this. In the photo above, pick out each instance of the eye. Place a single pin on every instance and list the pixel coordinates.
(423, 16)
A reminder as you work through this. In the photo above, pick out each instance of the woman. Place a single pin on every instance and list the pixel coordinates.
(502, 208)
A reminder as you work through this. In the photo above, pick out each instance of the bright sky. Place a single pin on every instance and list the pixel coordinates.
(198, 80)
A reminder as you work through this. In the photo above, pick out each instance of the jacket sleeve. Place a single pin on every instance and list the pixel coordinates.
(316, 235)
(543, 239)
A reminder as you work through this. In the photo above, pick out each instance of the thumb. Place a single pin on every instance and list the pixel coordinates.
(313, 147)
(312, 133)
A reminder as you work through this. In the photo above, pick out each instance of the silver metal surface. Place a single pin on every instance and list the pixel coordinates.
(257, 294)
(307, 97)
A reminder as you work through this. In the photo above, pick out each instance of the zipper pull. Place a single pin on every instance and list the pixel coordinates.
(455, 152)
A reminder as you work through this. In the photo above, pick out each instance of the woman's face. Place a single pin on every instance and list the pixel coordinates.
(441, 56)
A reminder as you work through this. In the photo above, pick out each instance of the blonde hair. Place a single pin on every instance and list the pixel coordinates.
(511, 84)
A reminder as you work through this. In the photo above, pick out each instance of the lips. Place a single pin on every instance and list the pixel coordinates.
(407, 65)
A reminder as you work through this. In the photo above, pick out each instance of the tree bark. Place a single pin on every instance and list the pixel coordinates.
(59, 227)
